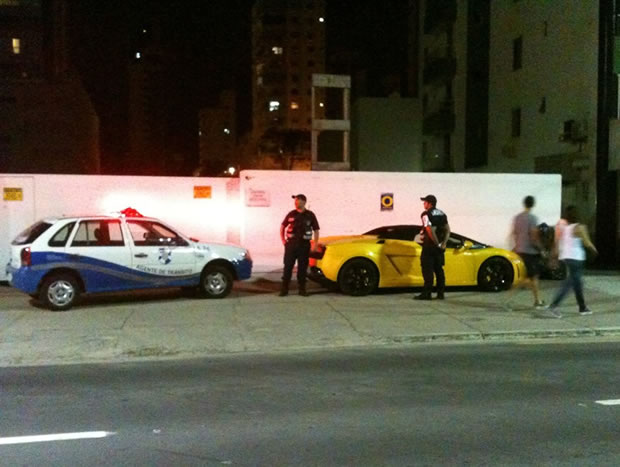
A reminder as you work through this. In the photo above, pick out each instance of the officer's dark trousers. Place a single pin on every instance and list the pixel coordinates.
(433, 260)
(300, 252)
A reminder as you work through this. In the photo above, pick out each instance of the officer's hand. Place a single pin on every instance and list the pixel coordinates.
(283, 241)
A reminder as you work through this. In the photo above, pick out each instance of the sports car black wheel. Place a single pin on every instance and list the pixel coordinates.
(358, 277)
(495, 274)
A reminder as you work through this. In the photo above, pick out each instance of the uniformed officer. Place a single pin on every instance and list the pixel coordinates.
(297, 229)
(435, 233)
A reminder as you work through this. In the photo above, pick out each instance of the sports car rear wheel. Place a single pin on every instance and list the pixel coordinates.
(495, 274)
(358, 277)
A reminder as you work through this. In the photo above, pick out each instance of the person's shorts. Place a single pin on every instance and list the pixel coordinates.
(533, 264)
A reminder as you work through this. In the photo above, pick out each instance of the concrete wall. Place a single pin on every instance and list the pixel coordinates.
(480, 206)
(249, 210)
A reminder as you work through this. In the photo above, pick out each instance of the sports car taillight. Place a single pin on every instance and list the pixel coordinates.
(26, 256)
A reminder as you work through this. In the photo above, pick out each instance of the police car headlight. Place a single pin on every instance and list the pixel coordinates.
(245, 255)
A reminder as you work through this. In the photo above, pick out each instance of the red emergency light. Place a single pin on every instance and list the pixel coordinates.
(131, 212)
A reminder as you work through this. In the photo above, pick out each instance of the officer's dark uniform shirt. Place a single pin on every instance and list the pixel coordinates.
(298, 226)
(433, 218)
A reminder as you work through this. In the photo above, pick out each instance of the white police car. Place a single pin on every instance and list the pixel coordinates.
(55, 260)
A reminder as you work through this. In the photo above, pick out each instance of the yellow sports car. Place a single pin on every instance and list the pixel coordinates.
(390, 257)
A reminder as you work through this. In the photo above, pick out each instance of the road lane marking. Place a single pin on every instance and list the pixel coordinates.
(55, 437)
(609, 402)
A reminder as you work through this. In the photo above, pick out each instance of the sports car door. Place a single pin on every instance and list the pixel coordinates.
(400, 264)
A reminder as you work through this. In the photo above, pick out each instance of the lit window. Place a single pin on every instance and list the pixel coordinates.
(321, 20)
(321, 104)
(273, 106)
(227, 131)
(294, 105)
(138, 55)
(277, 50)
(17, 49)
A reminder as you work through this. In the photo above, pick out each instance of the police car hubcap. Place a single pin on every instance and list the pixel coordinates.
(60, 293)
(216, 283)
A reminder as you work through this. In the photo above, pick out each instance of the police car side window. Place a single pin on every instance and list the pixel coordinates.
(98, 233)
(60, 238)
(146, 233)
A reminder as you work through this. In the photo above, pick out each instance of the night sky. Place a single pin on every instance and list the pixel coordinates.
(212, 51)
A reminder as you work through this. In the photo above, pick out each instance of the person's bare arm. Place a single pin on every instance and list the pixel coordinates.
(582, 232)
(430, 231)
(282, 235)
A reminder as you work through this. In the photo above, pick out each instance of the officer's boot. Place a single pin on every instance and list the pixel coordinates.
(302, 289)
(284, 288)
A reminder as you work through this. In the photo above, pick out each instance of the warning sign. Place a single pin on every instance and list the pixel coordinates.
(387, 201)
(202, 192)
(13, 194)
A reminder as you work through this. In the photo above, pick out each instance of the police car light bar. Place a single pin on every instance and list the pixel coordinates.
(130, 212)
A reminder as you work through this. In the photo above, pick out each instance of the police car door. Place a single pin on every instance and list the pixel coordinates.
(101, 255)
(161, 253)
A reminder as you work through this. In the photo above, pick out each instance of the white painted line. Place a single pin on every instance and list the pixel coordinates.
(609, 402)
(55, 437)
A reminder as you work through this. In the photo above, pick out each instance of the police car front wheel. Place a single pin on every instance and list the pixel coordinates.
(216, 282)
(59, 292)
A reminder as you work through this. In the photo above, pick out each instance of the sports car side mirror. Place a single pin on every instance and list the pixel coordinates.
(466, 245)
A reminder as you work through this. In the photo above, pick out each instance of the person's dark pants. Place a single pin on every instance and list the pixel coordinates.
(299, 252)
(432, 261)
(573, 280)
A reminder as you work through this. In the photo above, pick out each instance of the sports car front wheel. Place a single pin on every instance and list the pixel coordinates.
(495, 274)
(358, 277)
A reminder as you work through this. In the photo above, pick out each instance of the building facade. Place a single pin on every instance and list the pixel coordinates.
(47, 121)
(527, 86)
(288, 46)
(218, 137)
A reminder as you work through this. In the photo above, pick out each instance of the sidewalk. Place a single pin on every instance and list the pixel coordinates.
(166, 324)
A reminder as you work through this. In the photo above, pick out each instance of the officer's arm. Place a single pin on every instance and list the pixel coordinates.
(430, 230)
(315, 234)
(445, 241)
(282, 234)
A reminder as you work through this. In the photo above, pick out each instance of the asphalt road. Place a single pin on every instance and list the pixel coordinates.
(434, 405)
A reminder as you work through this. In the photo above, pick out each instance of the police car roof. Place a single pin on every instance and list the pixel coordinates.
(95, 217)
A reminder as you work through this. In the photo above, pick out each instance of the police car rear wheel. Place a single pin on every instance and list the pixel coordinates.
(358, 277)
(217, 282)
(495, 274)
(59, 292)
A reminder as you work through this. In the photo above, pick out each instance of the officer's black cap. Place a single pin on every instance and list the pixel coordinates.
(300, 196)
(430, 199)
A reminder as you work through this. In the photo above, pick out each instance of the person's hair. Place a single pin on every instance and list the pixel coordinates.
(571, 215)
(528, 202)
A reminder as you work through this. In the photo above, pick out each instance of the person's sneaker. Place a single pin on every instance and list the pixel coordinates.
(303, 293)
(283, 293)
(541, 306)
(441, 296)
(549, 312)
(422, 296)
(585, 311)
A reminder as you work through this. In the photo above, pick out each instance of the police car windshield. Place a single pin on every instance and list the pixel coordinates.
(31, 233)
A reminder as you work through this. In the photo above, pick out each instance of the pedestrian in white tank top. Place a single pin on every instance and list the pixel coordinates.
(570, 239)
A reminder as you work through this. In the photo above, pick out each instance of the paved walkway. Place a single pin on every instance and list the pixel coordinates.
(167, 324)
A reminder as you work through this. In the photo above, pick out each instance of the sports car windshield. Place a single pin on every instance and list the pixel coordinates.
(409, 233)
